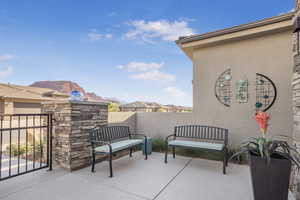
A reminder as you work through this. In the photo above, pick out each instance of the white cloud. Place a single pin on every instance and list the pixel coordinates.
(94, 36)
(112, 14)
(141, 66)
(5, 57)
(162, 29)
(5, 72)
(173, 92)
(154, 75)
(108, 36)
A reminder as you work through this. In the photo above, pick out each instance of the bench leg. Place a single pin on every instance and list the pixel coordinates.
(166, 154)
(173, 149)
(224, 160)
(110, 166)
(130, 152)
(93, 162)
(146, 153)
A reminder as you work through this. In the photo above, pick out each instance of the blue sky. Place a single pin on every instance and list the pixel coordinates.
(116, 48)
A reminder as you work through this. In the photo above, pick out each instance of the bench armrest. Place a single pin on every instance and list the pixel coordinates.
(140, 135)
(101, 143)
(167, 138)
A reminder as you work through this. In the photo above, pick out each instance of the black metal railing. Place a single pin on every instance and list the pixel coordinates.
(25, 144)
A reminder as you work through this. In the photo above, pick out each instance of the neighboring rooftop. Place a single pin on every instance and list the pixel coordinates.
(141, 104)
(153, 107)
(67, 87)
(26, 92)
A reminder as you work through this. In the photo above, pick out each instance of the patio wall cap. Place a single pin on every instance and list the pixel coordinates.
(74, 102)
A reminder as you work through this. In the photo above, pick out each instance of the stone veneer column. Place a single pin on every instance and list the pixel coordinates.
(296, 97)
(72, 122)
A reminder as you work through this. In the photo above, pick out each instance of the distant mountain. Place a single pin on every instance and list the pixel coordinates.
(68, 86)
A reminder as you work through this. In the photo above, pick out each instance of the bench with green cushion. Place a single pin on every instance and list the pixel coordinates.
(118, 146)
(199, 137)
(111, 139)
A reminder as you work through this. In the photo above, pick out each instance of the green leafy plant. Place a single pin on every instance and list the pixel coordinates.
(17, 150)
(268, 148)
(113, 107)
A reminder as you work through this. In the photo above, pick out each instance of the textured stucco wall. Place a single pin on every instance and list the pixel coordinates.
(122, 119)
(153, 124)
(268, 54)
(161, 124)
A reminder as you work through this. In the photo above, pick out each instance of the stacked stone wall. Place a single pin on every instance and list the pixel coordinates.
(71, 126)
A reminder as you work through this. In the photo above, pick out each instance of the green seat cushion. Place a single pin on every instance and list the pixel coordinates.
(117, 146)
(196, 144)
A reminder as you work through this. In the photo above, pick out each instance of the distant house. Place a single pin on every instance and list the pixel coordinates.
(139, 106)
(175, 108)
(17, 99)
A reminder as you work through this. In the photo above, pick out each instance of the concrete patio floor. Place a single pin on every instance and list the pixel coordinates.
(135, 179)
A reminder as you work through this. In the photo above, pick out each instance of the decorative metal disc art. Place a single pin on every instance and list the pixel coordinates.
(223, 88)
(266, 93)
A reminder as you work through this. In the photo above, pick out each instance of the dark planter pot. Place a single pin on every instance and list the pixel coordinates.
(270, 181)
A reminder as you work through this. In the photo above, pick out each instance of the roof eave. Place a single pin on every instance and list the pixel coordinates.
(188, 43)
(268, 21)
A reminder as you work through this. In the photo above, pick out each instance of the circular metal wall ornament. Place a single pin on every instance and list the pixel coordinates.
(266, 93)
(223, 88)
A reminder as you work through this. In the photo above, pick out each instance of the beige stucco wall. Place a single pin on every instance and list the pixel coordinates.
(270, 55)
(8, 107)
(152, 124)
(123, 119)
(155, 124)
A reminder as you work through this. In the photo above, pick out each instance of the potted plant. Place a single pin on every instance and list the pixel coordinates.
(271, 161)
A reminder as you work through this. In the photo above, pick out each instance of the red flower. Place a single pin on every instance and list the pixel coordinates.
(262, 119)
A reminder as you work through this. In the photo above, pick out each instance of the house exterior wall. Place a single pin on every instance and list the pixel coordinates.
(21, 106)
(8, 107)
(270, 55)
(1, 107)
(25, 108)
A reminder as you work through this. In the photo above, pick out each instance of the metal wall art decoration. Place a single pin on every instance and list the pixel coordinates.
(266, 93)
(242, 91)
(223, 88)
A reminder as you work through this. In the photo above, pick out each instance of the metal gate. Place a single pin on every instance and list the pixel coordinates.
(25, 144)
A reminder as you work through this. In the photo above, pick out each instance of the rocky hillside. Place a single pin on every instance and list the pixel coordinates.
(68, 86)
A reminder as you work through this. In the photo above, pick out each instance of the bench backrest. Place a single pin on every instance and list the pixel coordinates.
(202, 132)
(110, 133)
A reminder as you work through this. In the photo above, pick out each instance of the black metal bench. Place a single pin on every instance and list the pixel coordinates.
(109, 140)
(199, 137)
